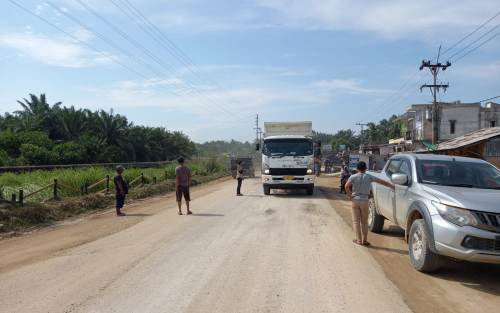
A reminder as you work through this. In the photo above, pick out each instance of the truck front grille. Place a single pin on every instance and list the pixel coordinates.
(488, 221)
(288, 171)
(476, 243)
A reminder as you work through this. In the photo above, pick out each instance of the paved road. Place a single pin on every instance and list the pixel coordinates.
(281, 253)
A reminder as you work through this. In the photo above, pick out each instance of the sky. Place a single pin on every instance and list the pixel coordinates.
(207, 68)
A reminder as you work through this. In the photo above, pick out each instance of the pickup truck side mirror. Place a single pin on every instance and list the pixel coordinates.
(399, 179)
(257, 146)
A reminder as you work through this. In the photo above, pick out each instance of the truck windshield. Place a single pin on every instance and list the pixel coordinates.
(283, 147)
(458, 174)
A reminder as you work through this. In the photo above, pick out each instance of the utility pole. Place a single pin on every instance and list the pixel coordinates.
(362, 125)
(435, 88)
(258, 131)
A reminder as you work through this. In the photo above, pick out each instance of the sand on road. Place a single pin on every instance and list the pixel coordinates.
(256, 253)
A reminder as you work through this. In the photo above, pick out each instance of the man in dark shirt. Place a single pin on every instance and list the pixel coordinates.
(121, 190)
(182, 183)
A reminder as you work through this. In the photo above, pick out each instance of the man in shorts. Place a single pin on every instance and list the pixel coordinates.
(182, 183)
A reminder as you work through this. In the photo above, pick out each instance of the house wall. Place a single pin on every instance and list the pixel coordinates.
(490, 113)
(466, 117)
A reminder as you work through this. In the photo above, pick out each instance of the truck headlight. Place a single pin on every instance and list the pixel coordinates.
(309, 171)
(457, 216)
(266, 171)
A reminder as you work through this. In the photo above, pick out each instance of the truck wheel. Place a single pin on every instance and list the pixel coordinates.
(267, 190)
(375, 220)
(421, 256)
(310, 191)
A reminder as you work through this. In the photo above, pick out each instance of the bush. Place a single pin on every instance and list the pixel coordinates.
(70, 153)
(12, 142)
(4, 158)
(36, 155)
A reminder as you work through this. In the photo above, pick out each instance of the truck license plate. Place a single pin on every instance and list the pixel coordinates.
(288, 177)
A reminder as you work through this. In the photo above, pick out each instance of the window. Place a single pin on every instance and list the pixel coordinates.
(458, 174)
(406, 169)
(493, 123)
(452, 126)
(290, 147)
(393, 167)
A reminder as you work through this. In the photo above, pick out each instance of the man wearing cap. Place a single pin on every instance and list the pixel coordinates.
(358, 191)
(121, 190)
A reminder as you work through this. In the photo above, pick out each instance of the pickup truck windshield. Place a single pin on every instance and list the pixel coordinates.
(458, 174)
(287, 147)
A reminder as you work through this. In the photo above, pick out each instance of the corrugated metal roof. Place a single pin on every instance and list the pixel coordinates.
(469, 139)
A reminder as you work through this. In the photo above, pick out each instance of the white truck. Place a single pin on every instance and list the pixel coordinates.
(287, 156)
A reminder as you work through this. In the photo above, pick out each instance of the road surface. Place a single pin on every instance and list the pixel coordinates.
(281, 253)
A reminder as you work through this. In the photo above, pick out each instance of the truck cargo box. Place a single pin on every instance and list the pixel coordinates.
(287, 128)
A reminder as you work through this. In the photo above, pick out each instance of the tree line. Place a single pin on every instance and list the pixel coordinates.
(374, 133)
(40, 133)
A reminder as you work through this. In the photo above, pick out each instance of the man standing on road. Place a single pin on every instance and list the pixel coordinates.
(182, 183)
(239, 177)
(317, 158)
(121, 190)
(358, 191)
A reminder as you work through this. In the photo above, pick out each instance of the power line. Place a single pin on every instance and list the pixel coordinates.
(133, 16)
(137, 45)
(477, 47)
(106, 40)
(492, 98)
(471, 33)
(184, 58)
(400, 93)
(475, 41)
(106, 55)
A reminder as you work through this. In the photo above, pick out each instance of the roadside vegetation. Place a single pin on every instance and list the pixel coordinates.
(374, 133)
(42, 209)
(44, 134)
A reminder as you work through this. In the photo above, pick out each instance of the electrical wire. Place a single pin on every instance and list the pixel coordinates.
(471, 33)
(492, 98)
(473, 42)
(130, 14)
(476, 47)
(150, 54)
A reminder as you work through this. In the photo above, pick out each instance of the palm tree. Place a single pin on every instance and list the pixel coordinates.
(109, 126)
(40, 113)
(72, 123)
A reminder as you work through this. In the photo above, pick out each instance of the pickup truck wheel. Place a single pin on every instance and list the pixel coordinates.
(267, 190)
(421, 256)
(375, 221)
(310, 191)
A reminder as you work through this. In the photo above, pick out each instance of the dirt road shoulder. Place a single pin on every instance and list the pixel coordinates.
(459, 287)
(45, 242)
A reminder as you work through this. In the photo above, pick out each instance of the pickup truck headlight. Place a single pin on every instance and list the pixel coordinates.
(309, 171)
(457, 216)
(266, 171)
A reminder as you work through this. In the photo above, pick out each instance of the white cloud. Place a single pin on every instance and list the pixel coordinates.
(347, 85)
(83, 35)
(480, 71)
(52, 51)
(225, 107)
(388, 18)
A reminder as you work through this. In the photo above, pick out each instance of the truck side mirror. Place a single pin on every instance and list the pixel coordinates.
(399, 179)
(257, 146)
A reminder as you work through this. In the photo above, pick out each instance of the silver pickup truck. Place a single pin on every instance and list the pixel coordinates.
(448, 206)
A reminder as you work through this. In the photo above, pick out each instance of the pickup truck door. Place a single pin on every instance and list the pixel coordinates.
(385, 195)
(402, 195)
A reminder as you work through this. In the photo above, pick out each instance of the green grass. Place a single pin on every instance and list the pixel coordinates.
(71, 180)
(41, 210)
